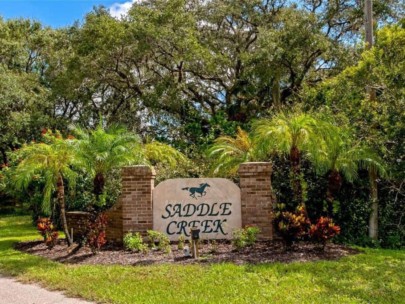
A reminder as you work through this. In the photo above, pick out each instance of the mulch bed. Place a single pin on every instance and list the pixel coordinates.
(261, 252)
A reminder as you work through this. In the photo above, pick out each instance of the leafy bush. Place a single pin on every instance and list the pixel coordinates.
(48, 231)
(324, 230)
(393, 240)
(291, 226)
(134, 242)
(245, 237)
(83, 199)
(159, 241)
(96, 237)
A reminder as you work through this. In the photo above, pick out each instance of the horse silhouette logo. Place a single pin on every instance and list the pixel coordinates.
(197, 190)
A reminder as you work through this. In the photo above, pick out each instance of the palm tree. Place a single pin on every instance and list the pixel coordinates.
(101, 150)
(52, 160)
(230, 152)
(287, 134)
(341, 157)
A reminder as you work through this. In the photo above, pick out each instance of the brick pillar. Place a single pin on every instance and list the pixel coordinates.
(137, 186)
(256, 197)
(133, 211)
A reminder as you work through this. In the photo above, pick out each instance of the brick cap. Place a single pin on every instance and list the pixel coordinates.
(139, 170)
(255, 167)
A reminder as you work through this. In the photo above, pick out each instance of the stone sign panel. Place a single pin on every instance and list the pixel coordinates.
(212, 205)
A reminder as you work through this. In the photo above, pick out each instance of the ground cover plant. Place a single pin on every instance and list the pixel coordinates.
(245, 237)
(134, 242)
(374, 276)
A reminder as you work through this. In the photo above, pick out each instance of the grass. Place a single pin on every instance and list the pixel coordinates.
(377, 276)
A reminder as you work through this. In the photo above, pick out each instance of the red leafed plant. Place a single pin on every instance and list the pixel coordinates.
(291, 226)
(324, 230)
(48, 231)
(96, 236)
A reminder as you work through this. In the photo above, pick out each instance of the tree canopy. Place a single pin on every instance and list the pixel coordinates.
(193, 73)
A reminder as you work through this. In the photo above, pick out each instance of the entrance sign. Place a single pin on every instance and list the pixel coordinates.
(212, 205)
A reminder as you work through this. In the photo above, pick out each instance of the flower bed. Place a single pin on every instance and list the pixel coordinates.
(261, 252)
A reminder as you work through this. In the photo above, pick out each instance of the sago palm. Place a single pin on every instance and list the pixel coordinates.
(287, 134)
(341, 157)
(52, 160)
(229, 152)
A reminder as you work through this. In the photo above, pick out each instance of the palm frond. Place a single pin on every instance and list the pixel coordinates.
(45, 159)
(229, 152)
(157, 152)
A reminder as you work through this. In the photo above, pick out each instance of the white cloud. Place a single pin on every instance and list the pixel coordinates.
(119, 10)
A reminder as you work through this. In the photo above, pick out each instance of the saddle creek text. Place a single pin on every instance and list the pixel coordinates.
(201, 210)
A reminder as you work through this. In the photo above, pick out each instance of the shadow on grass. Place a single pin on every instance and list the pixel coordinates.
(14, 262)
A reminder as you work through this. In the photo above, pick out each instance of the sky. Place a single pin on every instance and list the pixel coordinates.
(59, 13)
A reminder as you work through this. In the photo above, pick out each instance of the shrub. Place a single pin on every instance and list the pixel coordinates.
(245, 237)
(96, 237)
(48, 231)
(83, 198)
(134, 242)
(182, 240)
(159, 241)
(324, 230)
(291, 226)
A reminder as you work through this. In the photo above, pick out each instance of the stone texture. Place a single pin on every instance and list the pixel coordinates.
(209, 204)
(256, 197)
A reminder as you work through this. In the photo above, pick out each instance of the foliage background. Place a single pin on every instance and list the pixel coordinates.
(186, 71)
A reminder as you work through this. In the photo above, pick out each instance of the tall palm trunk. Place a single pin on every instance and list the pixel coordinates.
(334, 185)
(373, 220)
(61, 202)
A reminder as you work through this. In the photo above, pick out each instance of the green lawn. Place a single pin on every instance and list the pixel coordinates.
(377, 276)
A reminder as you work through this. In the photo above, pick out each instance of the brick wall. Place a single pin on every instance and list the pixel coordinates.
(256, 197)
(133, 211)
(77, 220)
(114, 231)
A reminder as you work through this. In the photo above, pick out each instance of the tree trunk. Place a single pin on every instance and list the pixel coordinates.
(275, 92)
(334, 185)
(368, 23)
(98, 184)
(295, 160)
(61, 202)
(373, 221)
(4, 155)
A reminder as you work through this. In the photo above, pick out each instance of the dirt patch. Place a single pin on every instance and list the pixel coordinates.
(261, 252)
